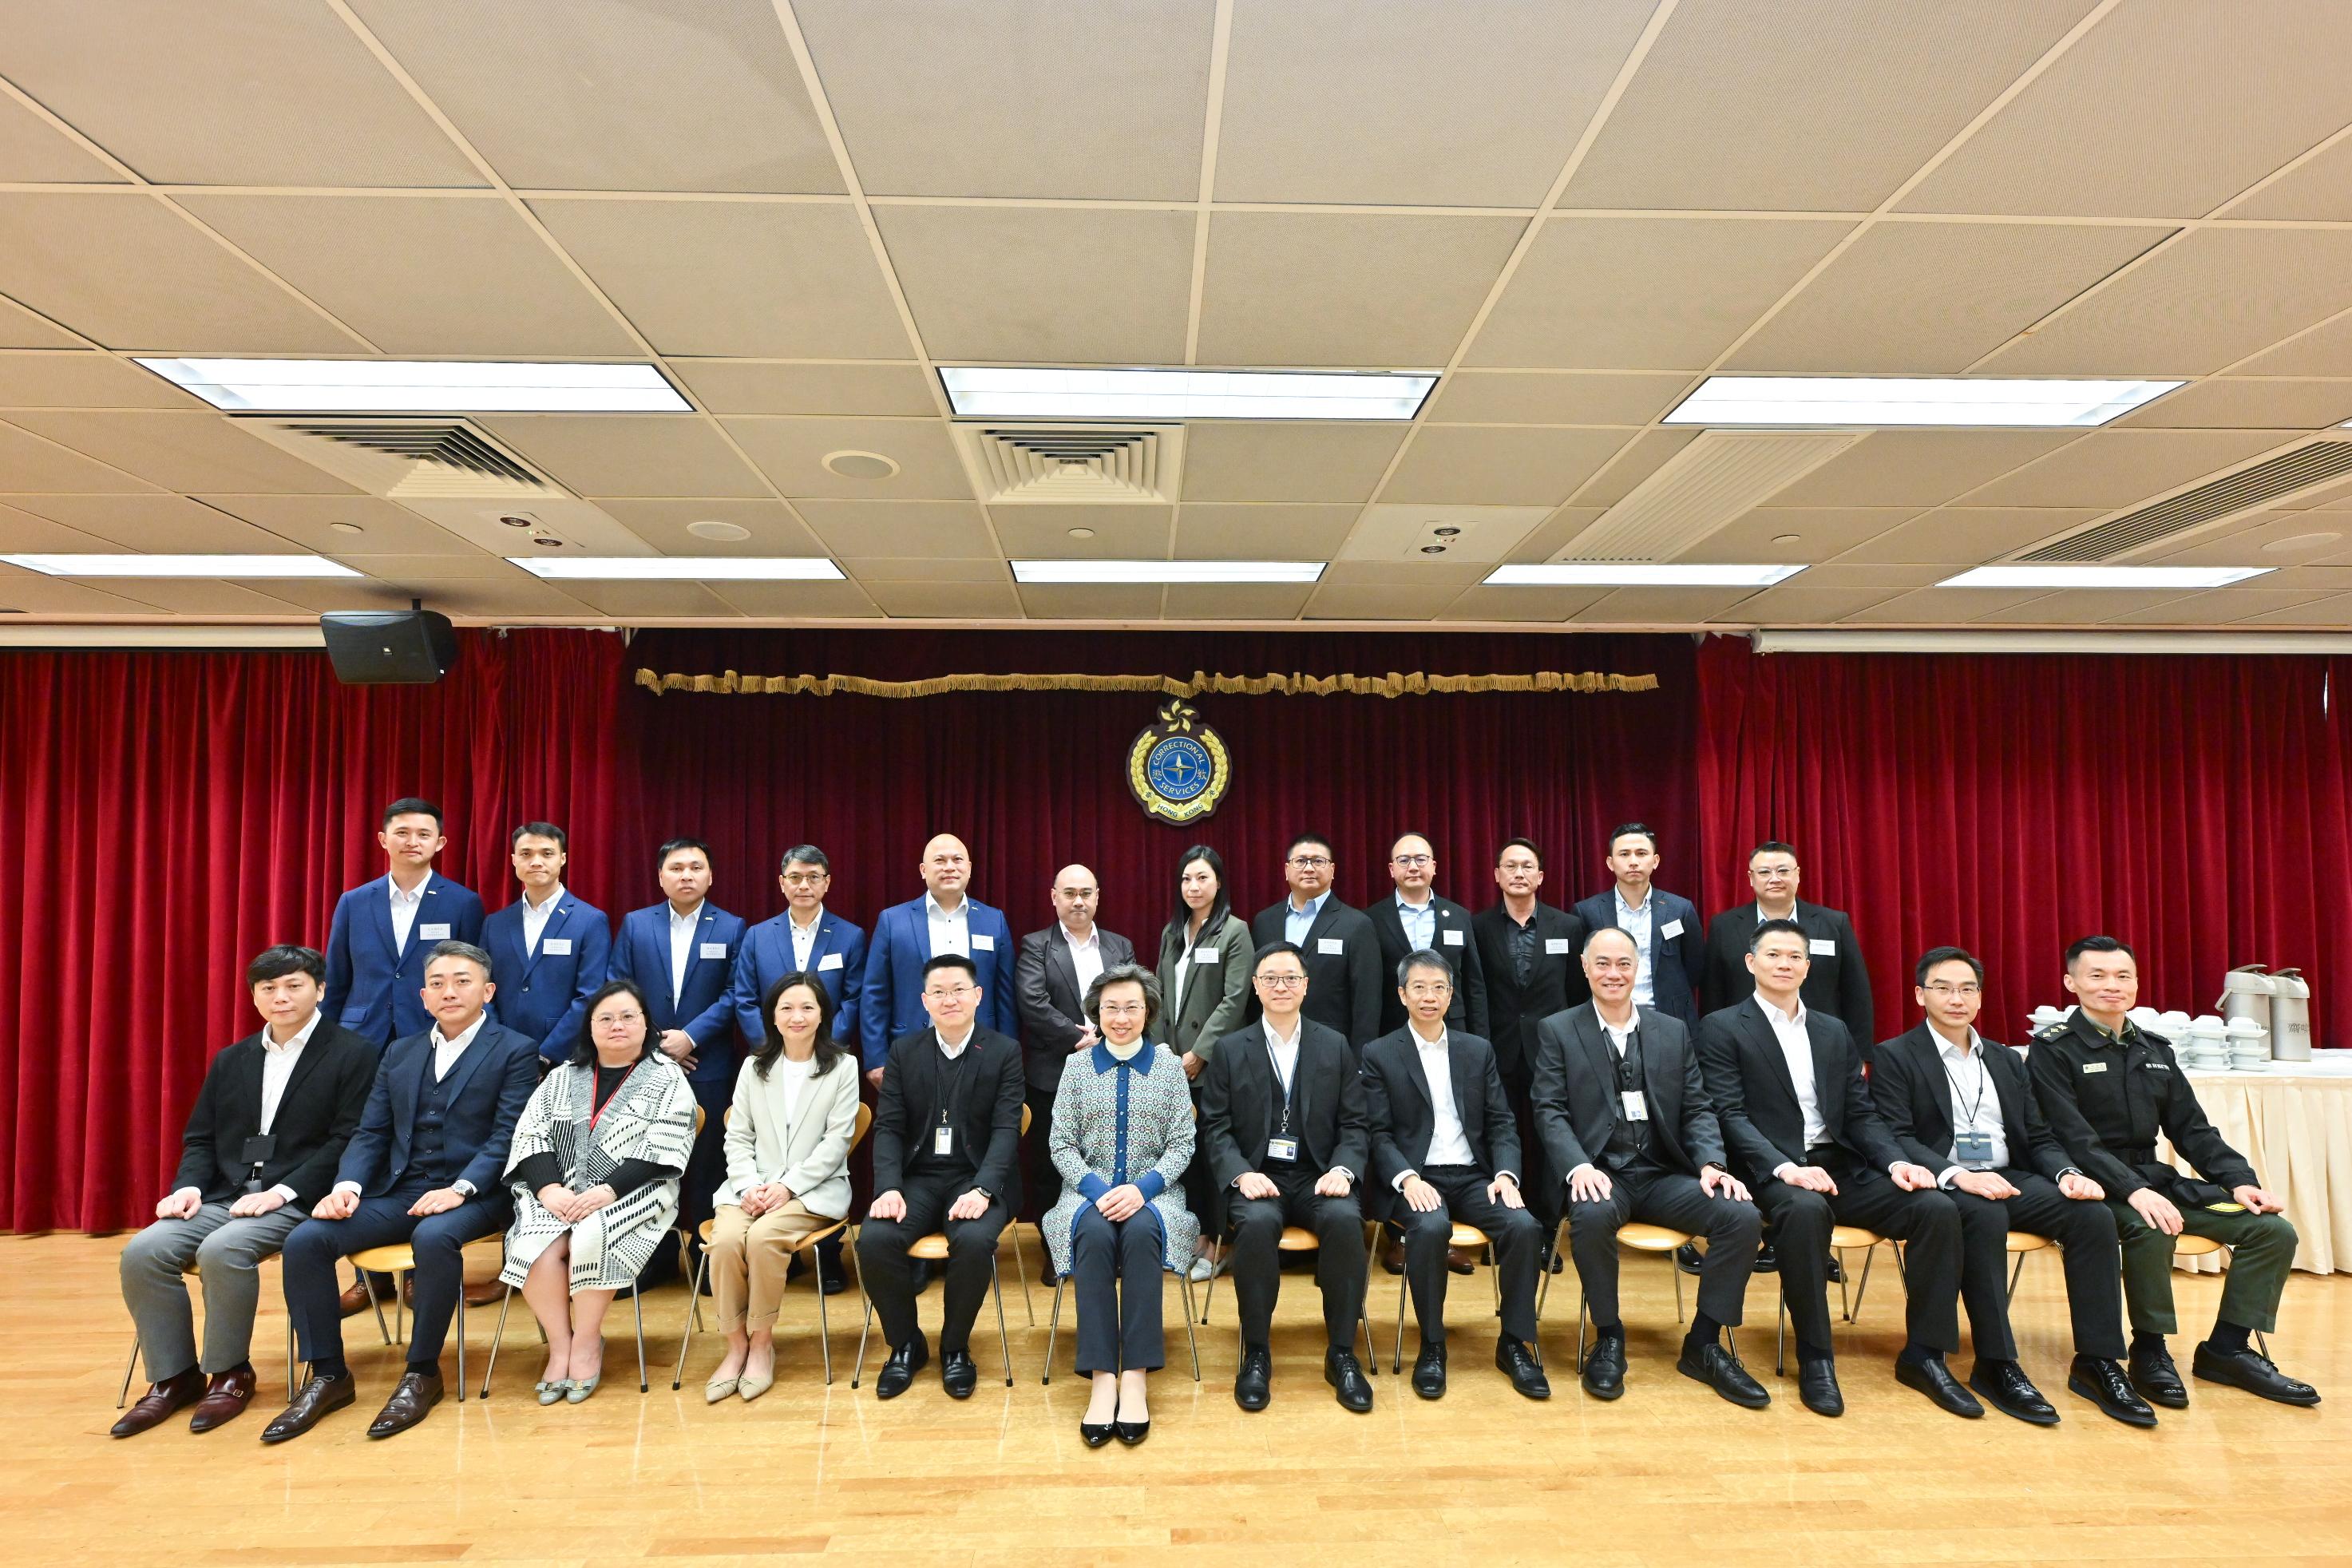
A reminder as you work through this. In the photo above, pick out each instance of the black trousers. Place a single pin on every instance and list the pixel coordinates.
(1257, 1257)
(1115, 1268)
(1515, 1234)
(889, 1273)
(1545, 1189)
(1657, 1197)
(1925, 1222)
(2086, 1235)
(1041, 1184)
(312, 1252)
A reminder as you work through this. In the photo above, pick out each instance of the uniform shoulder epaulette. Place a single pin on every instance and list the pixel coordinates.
(2043, 1036)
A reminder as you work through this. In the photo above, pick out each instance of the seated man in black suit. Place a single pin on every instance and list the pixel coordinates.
(1619, 1101)
(1787, 1084)
(426, 1167)
(1282, 1127)
(947, 1149)
(269, 1123)
(1443, 1138)
(1961, 1105)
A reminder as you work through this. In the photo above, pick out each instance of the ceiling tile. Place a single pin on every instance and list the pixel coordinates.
(792, 452)
(1415, 574)
(1634, 462)
(2284, 539)
(1287, 461)
(183, 451)
(20, 329)
(1215, 530)
(1821, 532)
(784, 280)
(1553, 534)
(1119, 532)
(1919, 468)
(2246, 404)
(385, 528)
(1825, 107)
(1797, 604)
(2211, 297)
(1943, 606)
(206, 596)
(1543, 397)
(630, 454)
(2229, 607)
(1661, 293)
(2320, 189)
(130, 274)
(2332, 614)
(1484, 603)
(32, 466)
(1497, 91)
(36, 594)
(1934, 297)
(1858, 574)
(497, 600)
(430, 571)
(1020, 98)
(35, 152)
(801, 601)
(947, 601)
(1973, 534)
(2324, 350)
(1486, 465)
(662, 523)
(2111, 469)
(2164, 109)
(2088, 608)
(756, 387)
(1057, 284)
(1368, 602)
(1091, 601)
(264, 92)
(927, 569)
(1236, 601)
(321, 595)
(83, 379)
(666, 600)
(421, 274)
(901, 527)
(153, 521)
(652, 95)
(1347, 289)
(23, 532)
(1662, 606)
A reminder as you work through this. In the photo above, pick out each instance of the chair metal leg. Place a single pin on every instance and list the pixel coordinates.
(367, 1283)
(859, 1370)
(1781, 1339)
(1187, 1280)
(1543, 1285)
(1053, 1329)
(1495, 1278)
(1397, 1361)
(694, 1294)
(2263, 1344)
(496, 1338)
(2016, 1269)
(1845, 1304)
(290, 1358)
(1020, 1265)
(823, 1329)
(1004, 1339)
(1581, 1305)
(461, 1341)
(637, 1300)
(1854, 1313)
(128, 1368)
(1676, 1270)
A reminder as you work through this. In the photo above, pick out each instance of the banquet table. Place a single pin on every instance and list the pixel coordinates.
(2294, 1122)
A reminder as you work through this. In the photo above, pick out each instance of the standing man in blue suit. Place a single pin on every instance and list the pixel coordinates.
(1664, 926)
(552, 948)
(911, 934)
(681, 952)
(384, 927)
(806, 939)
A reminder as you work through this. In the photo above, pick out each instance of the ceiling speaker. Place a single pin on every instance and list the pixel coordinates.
(389, 647)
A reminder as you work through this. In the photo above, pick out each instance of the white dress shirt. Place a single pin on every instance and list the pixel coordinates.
(1087, 957)
(1637, 924)
(1975, 1104)
(1797, 1051)
(804, 936)
(1285, 1051)
(405, 906)
(277, 1063)
(951, 1049)
(682, 928)
(951, 929)
(535, 917)
(446, 1052)
(1448, 1144)
(1618, 1036)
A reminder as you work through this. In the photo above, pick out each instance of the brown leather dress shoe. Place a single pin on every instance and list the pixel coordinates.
(354, 1299)
(485, 1294)
(418, 1393)
(319, 1397)
(1459, 1261)
(225, 1397)
(157, 1404)
(1393, 1258)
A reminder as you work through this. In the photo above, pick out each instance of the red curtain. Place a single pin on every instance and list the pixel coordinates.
(2191, 807)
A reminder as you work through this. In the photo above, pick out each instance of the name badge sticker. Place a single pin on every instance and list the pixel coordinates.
(1671, 930)
(1207, 955)
(1329, 945)
(830, 961)
(1556, 946)
(1450, 938)
(943, 1141)
(556, 947)
(983, 944)
(433, 932)
(1824, 947)
(2095, 1067)
(1637, 1105)
(714, 949)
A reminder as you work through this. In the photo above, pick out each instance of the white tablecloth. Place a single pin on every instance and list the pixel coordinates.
(2294, 1122)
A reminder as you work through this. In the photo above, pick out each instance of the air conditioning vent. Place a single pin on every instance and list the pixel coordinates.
(2259, 484)
(1721, 476)
(1027, 463)
(410, 459)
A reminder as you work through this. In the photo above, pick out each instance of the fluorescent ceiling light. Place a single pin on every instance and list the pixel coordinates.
(1010, 392)
(1167, 571)
(1873, 400)
(2103, 576)
(683, 568)
(1639, 573)
(411, 386)
(129, 565)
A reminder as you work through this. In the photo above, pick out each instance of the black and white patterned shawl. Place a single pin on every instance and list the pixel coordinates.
(649, 1116)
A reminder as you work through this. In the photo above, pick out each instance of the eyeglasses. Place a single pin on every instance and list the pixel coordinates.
(948, 994)
(807, 878)
(614, 1020)
(1944, 988)
(1124, 1009)
(1310, 862)
(1769, 873)
(1429, 988)
(1410, 861)
(1281, 982)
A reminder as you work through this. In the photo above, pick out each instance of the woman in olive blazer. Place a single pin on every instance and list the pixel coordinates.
(1204, 979)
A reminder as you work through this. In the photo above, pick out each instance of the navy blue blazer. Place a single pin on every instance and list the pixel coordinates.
(838, 957)
(641, 953)
(1674, 961)
(375, 989)
(892, 1005)
(545, 994)
(493, 1079)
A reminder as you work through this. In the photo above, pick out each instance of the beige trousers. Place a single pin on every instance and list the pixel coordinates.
(748, 1259)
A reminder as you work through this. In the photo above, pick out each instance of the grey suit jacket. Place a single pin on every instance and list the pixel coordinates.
(1216, 992)
(1575, 1093)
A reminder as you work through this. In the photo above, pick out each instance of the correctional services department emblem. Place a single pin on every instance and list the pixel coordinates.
(1178, 768)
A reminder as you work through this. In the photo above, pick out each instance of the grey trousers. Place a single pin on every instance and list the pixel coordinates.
(227, 1254)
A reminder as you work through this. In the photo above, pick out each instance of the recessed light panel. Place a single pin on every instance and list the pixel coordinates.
(420, 387)
(1638, 575)
(133, 565)
(1167, 571)
(1958, 401)
(2103, 576)
(681, 568)
(1019, 392)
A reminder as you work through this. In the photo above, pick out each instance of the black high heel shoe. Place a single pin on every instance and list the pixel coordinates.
(1096, 1436)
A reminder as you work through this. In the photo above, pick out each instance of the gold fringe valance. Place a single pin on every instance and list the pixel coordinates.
(1417, 684)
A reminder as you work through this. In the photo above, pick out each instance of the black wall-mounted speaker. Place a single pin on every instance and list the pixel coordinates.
(389, 647)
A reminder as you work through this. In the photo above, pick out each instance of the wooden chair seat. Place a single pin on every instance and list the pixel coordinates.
(1651, 1237)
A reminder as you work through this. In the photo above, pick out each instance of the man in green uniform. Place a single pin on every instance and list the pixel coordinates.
(2108, 1087)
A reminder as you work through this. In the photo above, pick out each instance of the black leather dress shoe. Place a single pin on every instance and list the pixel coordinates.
(317, 1397)
(1817, 1387)
(1716, 1366)
(1095, 1436)
(1250, 1385)
(2251, 1370)
(1768, 1262)
(2103, 1383)
(1346, 1375)
(417, 1393)
(957, 1372)
(1934, 1379)
(1604, 1365)
(1688, 1258)
(2004, 1386)
(899, 1369)
(1513, 1358)
(2153, 1373)
(1428, 1373)
(160, 1403)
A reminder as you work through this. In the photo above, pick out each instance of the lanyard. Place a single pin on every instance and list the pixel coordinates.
(951, 1097)
(1289, 1085)
(1984, 1079)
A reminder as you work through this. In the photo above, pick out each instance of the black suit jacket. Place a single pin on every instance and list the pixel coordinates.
(317, 1115)
(1404, 1117)
(1453, 940)
(1912, 1089)
(1241, 1104)
(1343, 988)
(1053, 1010)
(1555, 983)
(1838, 984)
(986, 1115)
(1756, 1099)
(1575, 1092)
